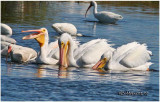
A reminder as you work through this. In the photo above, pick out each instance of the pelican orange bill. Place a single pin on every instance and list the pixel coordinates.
(100, 64)
(8, 52)
(33, 35)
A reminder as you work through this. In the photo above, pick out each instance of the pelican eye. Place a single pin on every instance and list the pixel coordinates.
(43, 30)
(62, 43)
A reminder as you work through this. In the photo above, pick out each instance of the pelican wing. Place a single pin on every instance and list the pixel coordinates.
(110, 15)
(65, 28)
(132, 55)
(53, 50)
(52, 46)
(81, 49)
(138, 56)
(94, 52)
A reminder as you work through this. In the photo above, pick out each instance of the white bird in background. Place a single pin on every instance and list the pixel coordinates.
(8, 39)
(6, 33)
(6, 30)
(47, 51)
(86, 55)
(69, 28)
(17, 53)
(104, 16)
(132, 56)
(20, 54)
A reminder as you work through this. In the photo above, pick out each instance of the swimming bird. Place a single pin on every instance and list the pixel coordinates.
(20, 54)
(132, 56)
(69, 28)
(42, 37)
(6, 30)
(8, 39)
(104, 16)
(86, 55)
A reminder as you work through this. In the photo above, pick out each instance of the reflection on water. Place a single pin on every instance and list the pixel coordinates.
(47, 71)
(62, 72)
(54, 71)
(72, 73)
(24, 12)
(29, 11)
(34, 82)
(144, 4)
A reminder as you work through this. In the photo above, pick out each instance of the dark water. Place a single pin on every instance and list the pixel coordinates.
(31, 82)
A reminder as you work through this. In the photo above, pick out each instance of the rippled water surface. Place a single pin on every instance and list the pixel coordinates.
(31, 82)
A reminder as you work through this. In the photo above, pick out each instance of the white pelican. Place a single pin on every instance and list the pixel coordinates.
(8, 39)
(69, 28)
(6, 30)
(85, 55)
(42, 37)
(20, 54)
(4, 48)
(104, 16)
(132, 56)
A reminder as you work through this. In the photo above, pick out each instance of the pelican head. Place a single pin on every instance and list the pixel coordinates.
(39, 35)
(100, 64)
(92, 3)
(64, 43)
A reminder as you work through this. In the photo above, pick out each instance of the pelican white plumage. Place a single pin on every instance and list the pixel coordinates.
(6, 30)
(104, 16)
(8, 39)
(42, 37)
(20, 54)
(132, 56)
(69, 28)
(86, 55)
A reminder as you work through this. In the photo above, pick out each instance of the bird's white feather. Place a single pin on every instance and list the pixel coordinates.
(123, 50)
(136, 57)
(52, 45)
(95, 51)
(65, 28)
(130, 56)
(81, 49)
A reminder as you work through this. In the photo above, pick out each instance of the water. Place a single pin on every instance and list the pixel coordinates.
(31, 82)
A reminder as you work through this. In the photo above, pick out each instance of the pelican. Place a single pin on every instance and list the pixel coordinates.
(104, 16)
(6, 30)
(132, 56)
(69, 28)
(20, 54)
(4, 48)
(8, 39)
(41, 36)
(86, 55)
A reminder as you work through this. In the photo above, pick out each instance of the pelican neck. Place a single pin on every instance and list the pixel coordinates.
(72, 61)
(44, 48)
(95, 8)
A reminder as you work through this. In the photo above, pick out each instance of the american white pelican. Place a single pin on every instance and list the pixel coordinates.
(8, 39)
(132, 56)
(6, 30)
(42, 37)
(4, 48)
(85, 55)
(20, 54)
(69, 28)
(104, 16)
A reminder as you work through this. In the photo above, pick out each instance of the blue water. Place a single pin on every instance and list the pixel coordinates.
(31, 82)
